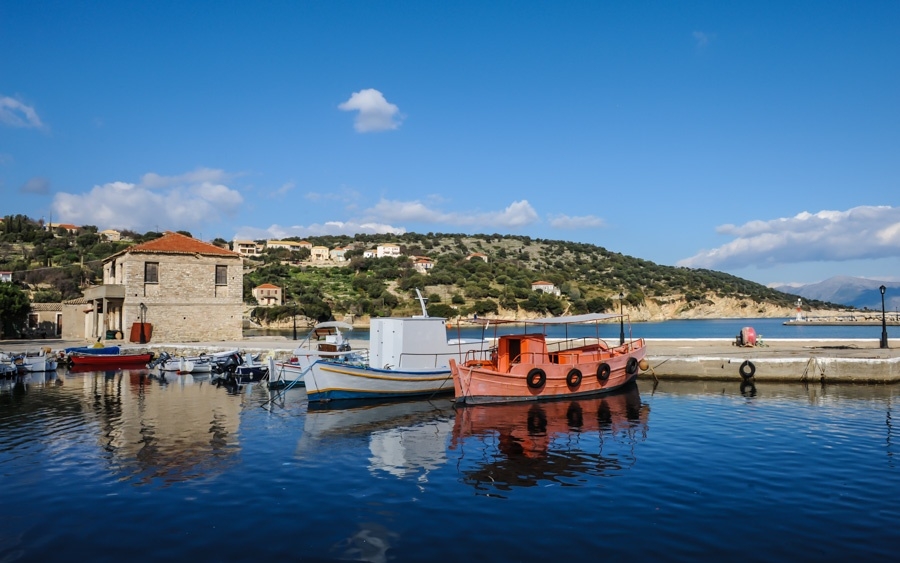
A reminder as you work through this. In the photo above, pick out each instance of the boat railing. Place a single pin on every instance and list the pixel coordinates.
(434, 360)
(575, 343)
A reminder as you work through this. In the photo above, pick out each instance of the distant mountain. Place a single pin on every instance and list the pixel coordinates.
(860, 293)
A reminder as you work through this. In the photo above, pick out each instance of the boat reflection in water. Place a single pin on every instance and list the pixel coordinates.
(406, 439)
(526, 443)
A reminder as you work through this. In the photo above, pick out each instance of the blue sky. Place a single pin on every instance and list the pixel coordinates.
(755, 138)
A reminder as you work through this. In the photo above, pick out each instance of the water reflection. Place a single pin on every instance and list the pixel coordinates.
(522, 444)
(152, 430)
(406, 439)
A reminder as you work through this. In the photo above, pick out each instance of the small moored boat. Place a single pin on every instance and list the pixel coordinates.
(324, 341)
(529, 366)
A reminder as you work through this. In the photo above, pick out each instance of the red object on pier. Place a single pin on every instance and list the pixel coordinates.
(748, 336)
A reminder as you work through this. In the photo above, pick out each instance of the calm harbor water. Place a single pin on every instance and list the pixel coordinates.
(112, 466)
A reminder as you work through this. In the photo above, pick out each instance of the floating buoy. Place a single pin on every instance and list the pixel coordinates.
(644, 364)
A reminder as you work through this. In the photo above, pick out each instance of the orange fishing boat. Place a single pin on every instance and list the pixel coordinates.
(531, 366)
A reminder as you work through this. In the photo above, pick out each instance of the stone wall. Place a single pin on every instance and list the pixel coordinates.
(186, 305)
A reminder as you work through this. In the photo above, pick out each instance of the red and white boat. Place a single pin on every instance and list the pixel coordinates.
(530, 366)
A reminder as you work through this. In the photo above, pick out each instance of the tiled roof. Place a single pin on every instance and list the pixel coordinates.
(46, 306)
(267, 286)
(76, 301)
(176, 243)
(541, 283)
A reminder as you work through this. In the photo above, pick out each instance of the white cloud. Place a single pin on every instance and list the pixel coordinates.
(185, 202)
(375, 112)
(16, 114)
(517, 214)
(580, 222)
(317, 229)
(36, 185)
(865, 232)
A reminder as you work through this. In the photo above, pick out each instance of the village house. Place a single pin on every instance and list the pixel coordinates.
(477, 255)
(171, 289)
(369, 254)
(383, 250)
(5, 276)
(247, 247)
(111, 235)
(288, 244)
(319, 253)
(422, 264)
(337, 254)
(268, 295)
(69, 227)
(45, 319)
(546, 287)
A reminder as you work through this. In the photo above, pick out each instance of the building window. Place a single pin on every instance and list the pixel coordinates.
(151, 272)
(221, 275)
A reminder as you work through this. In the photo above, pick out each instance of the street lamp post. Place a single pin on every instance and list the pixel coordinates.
(884, 342)
(621, 320)
(294, 315)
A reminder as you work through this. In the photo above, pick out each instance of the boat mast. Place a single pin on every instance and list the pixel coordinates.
(422, 301)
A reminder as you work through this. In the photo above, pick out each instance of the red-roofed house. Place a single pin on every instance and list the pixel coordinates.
(267, 295)
(546, 287)
(185, 289)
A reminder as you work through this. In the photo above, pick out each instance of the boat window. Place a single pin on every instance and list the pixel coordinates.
(221, 275)
(151, 272)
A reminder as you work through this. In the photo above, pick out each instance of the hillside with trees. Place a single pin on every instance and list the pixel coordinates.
(488, 275)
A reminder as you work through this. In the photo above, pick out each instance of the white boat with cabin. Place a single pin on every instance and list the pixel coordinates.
(407, 356)
(325, 341)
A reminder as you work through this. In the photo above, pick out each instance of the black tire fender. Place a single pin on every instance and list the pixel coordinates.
(536, 378)
(603, 371)
(631, 367)
(747, 369)
(573, 378)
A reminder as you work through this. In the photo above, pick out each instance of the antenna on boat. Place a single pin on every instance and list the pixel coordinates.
(422, 301)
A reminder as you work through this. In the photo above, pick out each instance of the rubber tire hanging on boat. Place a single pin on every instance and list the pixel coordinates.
(747, 369)
(573, 378)
(632, 366)
(536, 378)
(603, 371)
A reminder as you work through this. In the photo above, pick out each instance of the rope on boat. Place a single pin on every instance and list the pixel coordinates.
(288, 386)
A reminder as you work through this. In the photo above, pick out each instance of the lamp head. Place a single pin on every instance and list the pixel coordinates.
(621, 295)
(882, 288)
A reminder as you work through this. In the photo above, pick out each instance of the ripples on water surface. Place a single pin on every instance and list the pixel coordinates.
(119, 465)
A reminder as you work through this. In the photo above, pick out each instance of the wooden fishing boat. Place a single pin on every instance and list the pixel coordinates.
(530, 366)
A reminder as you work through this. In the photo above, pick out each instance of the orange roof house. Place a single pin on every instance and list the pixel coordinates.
(187, 289)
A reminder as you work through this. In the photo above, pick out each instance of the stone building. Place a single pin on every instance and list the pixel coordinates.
(268, 295)
(183, 289)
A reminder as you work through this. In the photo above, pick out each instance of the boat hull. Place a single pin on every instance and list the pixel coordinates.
(328, 381)
(479, 384)
(106, 361)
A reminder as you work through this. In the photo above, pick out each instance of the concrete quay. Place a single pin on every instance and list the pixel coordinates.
(785, 360)
(713, 359)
